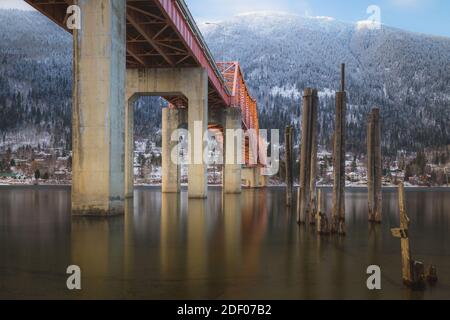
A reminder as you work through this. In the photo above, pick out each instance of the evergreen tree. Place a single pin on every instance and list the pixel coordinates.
(37, 174)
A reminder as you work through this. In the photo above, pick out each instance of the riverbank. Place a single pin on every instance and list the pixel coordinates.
(215, 187)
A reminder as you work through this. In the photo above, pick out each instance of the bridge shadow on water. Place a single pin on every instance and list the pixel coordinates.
(226, 247)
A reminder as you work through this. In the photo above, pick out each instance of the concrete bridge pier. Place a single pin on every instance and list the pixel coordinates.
(98, 113)
(253, 178)
(198, 125)
(232, 168)
(171, 171)
(191, 83)
(129, 145)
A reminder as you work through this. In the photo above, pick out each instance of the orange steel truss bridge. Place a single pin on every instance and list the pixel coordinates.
(163, 34)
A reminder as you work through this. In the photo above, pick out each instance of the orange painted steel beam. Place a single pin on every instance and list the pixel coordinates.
(241, 98)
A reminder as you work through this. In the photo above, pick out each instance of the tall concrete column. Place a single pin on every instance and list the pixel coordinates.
(374, 166)
(98, 109)
(232, 164)
(129, 146)
(170, 170)
(253, 178)
(197, 125)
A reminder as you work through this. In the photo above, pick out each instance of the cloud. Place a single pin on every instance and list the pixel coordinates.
(221, 9)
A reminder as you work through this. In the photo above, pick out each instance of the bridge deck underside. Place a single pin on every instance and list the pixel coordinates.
(157, 36)
(153, 40)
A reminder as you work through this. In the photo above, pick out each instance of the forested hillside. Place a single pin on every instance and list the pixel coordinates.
(406, 74)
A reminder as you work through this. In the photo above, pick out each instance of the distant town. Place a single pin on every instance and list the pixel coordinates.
(27, 165)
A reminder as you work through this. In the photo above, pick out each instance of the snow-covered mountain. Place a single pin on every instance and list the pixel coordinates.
(406, 74)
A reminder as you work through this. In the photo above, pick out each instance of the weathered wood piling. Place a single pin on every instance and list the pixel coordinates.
(413, 272)
(307, 158)
(312, 208)
(289, 145)
(338, 213)
(374, 166)
(432, 277)
(323, 227)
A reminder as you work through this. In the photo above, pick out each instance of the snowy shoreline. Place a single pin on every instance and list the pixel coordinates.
(155, 186)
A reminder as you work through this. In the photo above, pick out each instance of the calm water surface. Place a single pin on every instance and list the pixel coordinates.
(231, 247)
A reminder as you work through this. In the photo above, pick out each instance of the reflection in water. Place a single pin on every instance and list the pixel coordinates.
(247, 246)
(170, 233)
(232, 234)
(97, 247)
(197, 242)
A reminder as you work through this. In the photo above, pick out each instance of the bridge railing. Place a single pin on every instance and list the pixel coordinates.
(195, 30)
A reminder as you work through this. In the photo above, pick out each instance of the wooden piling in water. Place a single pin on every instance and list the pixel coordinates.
(412, 271)
(403, 233)
(323, 227)
(338, 213)
(289, 144)
(309, 129)
(374, 166)
(319, 201)
(313, 175)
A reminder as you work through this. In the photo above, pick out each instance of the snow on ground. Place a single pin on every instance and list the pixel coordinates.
(24, 137)
(288, 91)
(140, 146)
(326, 92)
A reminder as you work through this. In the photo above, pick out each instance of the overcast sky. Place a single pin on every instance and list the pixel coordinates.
(426, 16)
